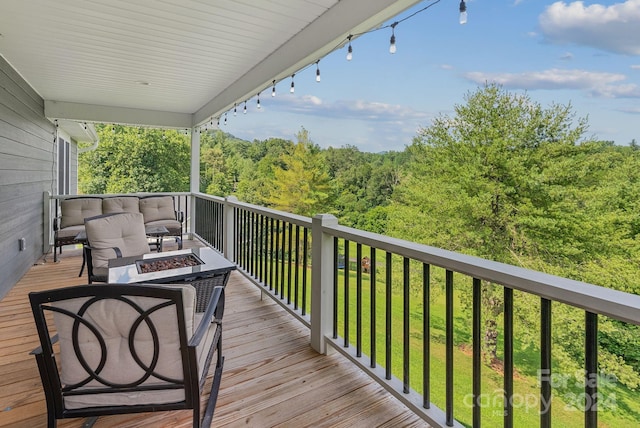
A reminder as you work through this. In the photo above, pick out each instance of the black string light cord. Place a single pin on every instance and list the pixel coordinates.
(343, 42)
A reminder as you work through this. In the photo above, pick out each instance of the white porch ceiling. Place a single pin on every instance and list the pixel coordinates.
(172, 63)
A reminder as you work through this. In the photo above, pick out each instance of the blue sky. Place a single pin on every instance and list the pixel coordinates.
(586, 54)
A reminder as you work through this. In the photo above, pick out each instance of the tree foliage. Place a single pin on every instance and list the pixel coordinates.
(508, 180)
(130, 159)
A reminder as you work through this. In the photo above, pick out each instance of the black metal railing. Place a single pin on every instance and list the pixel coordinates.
(209, 221)
(275, 252)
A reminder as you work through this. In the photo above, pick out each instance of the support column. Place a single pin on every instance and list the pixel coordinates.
(194, 179)
(229, 228)
(321, 281)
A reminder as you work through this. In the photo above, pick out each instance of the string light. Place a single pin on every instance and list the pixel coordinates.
(244, 110)
(463, 12)
(349, 56)
(392, 45)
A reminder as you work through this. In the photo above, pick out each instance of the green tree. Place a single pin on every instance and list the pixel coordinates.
(301, 186)
(130, 159)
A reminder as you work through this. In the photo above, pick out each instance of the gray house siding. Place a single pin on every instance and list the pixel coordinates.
(27, 169)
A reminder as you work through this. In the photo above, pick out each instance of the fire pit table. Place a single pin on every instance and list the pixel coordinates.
(203, 268)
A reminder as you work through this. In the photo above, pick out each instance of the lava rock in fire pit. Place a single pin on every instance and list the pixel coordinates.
(173, 262)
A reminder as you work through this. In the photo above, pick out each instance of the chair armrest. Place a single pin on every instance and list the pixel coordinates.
(38, 350)
(115, 249)
(180, 216)
(56, 222)
(214, 313)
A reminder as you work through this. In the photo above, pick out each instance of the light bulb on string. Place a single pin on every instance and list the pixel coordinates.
(392, 43)
(235, 109)
(258, 102)
(349, 50)
(273, 89)
(293, 86)
(218, 122)
(317, 71)
(225, 118)
(244, 110)
(463, 12)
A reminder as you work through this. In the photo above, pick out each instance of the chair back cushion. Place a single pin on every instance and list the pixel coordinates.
(157, 208)
(126, 355)
(120, 204)
(124, 231)
(75, 210)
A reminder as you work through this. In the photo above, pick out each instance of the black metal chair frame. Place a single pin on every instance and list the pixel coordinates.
(192, 386)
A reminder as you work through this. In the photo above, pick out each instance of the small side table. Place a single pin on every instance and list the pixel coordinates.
(157, 232)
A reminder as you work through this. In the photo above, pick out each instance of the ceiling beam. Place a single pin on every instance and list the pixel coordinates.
(309, 45)
(123, 116)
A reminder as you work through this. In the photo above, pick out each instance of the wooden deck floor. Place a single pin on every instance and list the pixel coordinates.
(271, 378)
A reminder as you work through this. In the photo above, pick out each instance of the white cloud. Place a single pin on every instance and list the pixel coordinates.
(568, 56)
(635, 67)
(599, 84)
(350, 109)
(614, 28)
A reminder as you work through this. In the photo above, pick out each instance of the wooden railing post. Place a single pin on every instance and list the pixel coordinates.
(321, 281)
(228, 225)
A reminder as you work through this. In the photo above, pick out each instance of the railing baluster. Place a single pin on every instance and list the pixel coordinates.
(405, 326)
(271, 258)
(477, 349)
(359, 300)
(449, 347)
(276, 266)
(304, 270)
(372, 283)
(262, 250)
(289, 263)
(545, 363)
(252, 243)
(283, 260)
(297, 269)
(387, 344)
(508, 357)
(426, 338)
(335, 287)
(346, 293)
(591, 370)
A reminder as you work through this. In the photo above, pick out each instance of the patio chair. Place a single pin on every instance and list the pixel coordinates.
(161, 211)
(112, 236)
(127, 349)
